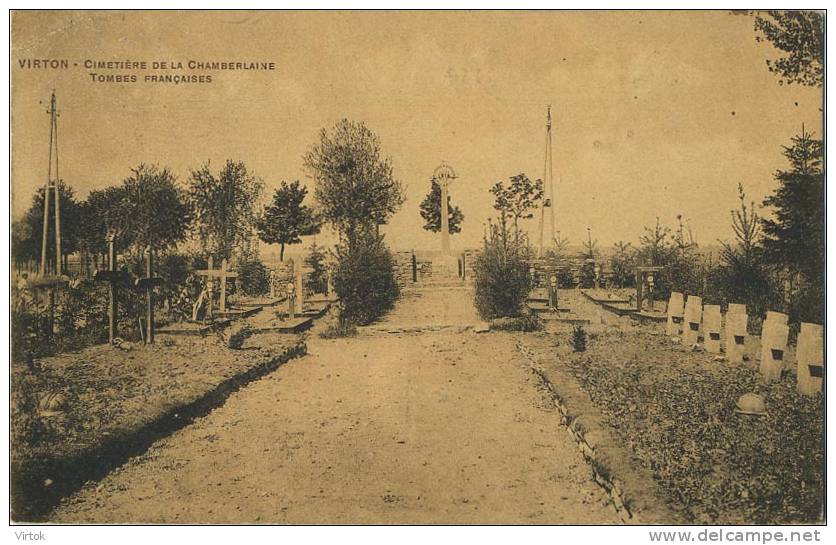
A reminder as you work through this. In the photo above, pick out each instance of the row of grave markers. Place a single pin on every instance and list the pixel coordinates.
(686, 318)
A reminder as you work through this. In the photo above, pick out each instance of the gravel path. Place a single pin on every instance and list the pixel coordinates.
(387, 427)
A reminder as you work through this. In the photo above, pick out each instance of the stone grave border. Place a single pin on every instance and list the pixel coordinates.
(633, 492)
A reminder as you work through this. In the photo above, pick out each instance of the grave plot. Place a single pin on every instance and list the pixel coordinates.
(77, 415)
(675, 409)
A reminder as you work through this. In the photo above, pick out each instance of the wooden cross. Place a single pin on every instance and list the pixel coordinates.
(113, 277)
(222, 274)
(147, 285)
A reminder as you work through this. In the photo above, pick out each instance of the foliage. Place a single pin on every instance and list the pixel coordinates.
(741, 276)
(364, 278)
(431, 211)
(318, 278)
(287, 219)
(355, 186)
(253, 277)
(676, 412)
(655, 245)
(224, 206)
(80, 319)
(174, 269)
(101, 213)
(623, 263)
(587, 274)
(800, 34)
(501, 274)
(684, 269)
(517, 199)
(579, 338)
(28, 240)
(155, 208)
(795, 238)
(590, 246)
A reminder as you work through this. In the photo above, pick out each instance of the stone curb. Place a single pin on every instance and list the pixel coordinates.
(633, 492)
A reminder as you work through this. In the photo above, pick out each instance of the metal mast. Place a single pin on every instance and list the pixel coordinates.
(548, 181)
(52, 182)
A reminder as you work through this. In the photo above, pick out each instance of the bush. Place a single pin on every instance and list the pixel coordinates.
(364, 278)
(579, 338)
(502, 279)
(253, 277)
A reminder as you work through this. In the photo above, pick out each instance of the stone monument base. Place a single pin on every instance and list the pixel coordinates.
(445, 267)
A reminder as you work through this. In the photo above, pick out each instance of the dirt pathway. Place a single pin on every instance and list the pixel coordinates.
(430, 427)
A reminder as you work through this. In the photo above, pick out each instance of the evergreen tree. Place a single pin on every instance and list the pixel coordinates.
(431, 211)
(287, 219)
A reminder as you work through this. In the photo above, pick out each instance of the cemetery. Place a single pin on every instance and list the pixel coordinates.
(214, 338)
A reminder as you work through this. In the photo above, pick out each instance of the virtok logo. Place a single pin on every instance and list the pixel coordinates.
(30, 536)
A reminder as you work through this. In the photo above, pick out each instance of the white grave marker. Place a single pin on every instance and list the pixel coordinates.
(693, 317)
(773, 345)
(810, 357)
(711, 325)
(736, 324)
(737, 308)
(676, 308)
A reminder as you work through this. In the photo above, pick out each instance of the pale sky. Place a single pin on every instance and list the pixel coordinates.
(656, 114)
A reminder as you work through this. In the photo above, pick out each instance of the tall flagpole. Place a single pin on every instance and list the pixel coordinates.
(548, 186)
(552, 201)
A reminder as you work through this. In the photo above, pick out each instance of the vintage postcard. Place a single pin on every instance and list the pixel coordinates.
(417, 267)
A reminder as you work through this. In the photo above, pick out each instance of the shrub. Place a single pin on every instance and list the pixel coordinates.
(501, 274)
(364, 278)
(253, 277)
(579, 338)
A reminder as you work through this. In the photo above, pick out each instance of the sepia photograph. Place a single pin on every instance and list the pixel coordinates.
(418, 267)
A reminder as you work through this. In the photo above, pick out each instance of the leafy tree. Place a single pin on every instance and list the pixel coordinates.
(102, 212)
(794, 240)
(431, 211)
(355, 186)
(224, 206)
(800, 34)
(287, 219)
(517, 199)
(30, 229)
(156, 209)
